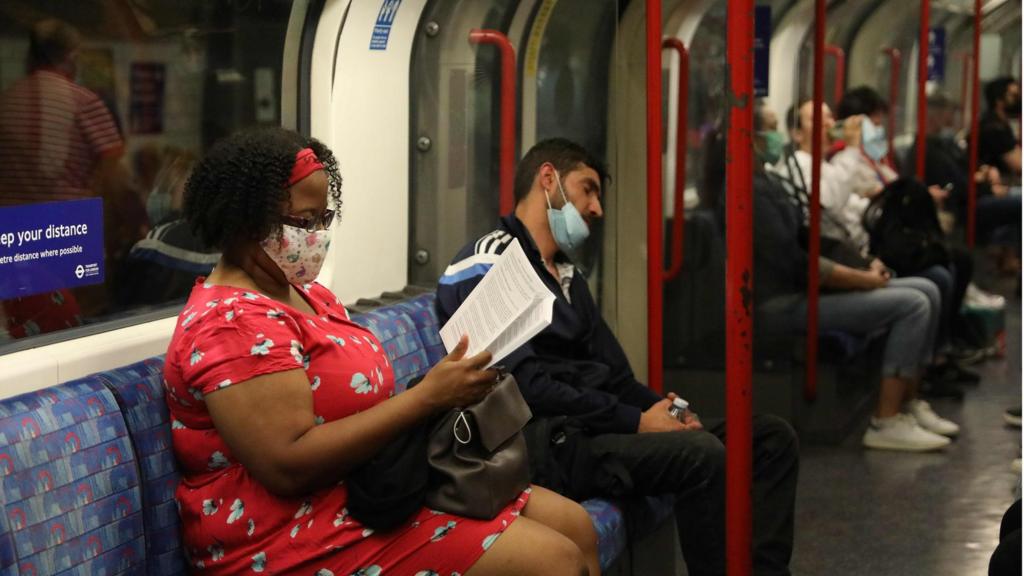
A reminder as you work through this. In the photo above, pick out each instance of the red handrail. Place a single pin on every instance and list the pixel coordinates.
(923, 47)
(678, 216)
(894, 92)
(814, 231)
(655, 216)
(839, 55)
(739, 287)
(972, 154)
(506, 158)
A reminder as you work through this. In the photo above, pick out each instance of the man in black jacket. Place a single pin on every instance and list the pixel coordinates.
(575, 369)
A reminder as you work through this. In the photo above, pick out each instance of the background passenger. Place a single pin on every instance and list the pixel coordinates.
(620, 439)
(276, 396)
(162, 267)
(856, 301)
(998, 145)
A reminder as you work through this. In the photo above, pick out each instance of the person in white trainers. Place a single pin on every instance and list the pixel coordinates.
(856, 301)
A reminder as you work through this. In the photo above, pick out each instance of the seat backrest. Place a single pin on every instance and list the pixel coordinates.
(423, 311)
(139, 391)
(69, 482)
(401, 340)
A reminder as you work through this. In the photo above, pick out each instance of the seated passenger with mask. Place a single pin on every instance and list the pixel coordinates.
(854, 300)
(620, 439)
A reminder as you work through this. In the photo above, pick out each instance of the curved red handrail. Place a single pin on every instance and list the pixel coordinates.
(739, 287)
(894, 94)
(678, 216)
(506, 158)
(839, 56)
(655, 215)
(972, 155)
(923, 47)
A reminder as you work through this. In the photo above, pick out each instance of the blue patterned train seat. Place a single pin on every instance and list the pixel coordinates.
(139, 391)
(70, 487)
(401, 340)
(424, 314)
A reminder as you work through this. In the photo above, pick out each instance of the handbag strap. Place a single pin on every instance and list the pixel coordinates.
(465, 422)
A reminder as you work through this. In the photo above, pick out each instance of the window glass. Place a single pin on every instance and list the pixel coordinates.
(104, 107)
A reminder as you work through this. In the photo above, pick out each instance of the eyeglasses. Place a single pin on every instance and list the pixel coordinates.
(321, 222)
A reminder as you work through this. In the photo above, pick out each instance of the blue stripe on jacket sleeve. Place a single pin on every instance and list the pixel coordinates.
(474, 270)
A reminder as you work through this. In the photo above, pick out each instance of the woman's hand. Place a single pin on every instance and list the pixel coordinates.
(457, 381)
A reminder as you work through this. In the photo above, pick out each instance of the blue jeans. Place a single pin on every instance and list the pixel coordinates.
(937, 283)
(906, 309)
(999, 214)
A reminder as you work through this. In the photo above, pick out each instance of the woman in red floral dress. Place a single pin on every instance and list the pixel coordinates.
(275, 395)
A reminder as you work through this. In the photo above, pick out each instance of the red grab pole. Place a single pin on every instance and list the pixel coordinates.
(655, 216)
(814, 231)
(506, 161)
(678, 217)
(739, 287)
(972, 154)
(922, 86)
(839, 55)
(894, 94)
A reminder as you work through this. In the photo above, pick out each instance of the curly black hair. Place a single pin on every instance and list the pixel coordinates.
(235, 192)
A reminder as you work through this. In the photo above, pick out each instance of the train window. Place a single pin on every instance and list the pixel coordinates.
(104, 107)
(454, 131)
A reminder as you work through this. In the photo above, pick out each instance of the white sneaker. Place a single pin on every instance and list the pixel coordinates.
(929, 420)
(901, 432)
(977, 298)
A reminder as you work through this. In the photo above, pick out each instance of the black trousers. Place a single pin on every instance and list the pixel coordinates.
(1005, 559)
(691, 465)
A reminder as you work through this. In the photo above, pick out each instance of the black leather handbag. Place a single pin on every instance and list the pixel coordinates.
(477, 455)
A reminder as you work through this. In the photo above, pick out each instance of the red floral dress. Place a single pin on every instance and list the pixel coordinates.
(231, 523)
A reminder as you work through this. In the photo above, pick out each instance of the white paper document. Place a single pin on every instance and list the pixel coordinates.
(509, 306)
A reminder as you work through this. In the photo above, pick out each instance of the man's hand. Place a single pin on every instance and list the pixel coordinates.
(879, 267)
(851, 130)
(657, 419)
(872, 279)
(690, 419)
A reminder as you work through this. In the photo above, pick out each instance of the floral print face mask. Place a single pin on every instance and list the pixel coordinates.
(298, 253)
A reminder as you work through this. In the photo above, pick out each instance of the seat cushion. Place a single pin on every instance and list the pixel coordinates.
(401, 340)
(69, 482)
(610, 524)
(422, 309)
(139, 390)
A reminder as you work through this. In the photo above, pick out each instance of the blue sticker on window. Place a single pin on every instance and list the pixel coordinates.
(382, 29)
(762, 43)
(48, 246)
(936, 54)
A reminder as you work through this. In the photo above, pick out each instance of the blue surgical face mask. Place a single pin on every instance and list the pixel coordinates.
(872, 140)
(158, 206)
(567, 225)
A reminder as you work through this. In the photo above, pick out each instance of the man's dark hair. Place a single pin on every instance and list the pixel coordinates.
(565, 155)
(235, 192)
(50, 42)
(996, 89)
(861, 100)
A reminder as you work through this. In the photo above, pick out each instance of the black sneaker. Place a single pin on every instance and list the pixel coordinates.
(941, 389)
(1012, 416)
(963, 375)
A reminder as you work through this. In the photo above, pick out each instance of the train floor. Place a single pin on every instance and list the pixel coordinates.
(862, 512)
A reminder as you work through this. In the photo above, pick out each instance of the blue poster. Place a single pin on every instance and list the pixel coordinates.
(936, 54)
(762, 40)
(382, 29)
(51, 245)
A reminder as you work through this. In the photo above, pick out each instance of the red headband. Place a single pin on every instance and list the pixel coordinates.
(306, 163)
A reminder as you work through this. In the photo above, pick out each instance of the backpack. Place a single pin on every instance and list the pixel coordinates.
(904, 227)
